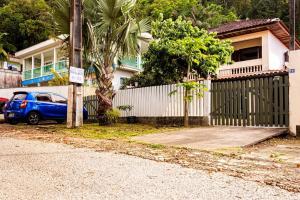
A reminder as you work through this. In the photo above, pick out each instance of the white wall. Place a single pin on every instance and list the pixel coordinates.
(276, 53)
(118, 74)
(62, 90)
(294, 96)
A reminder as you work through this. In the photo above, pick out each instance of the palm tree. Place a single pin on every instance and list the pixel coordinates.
(110, 32)
(3, 53)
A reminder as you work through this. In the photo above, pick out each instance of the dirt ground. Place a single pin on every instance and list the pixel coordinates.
(264, 163)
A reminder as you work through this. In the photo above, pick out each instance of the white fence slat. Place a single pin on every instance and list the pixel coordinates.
(156, 102)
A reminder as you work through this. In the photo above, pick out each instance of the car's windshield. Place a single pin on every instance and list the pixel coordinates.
(19, 97)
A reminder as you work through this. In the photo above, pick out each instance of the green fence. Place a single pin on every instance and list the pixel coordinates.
(260, 101)
(91, 104)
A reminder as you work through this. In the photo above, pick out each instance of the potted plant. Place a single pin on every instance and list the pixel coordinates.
(127, 109)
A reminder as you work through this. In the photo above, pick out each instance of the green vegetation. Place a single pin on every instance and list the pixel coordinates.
(59, 79)
(203, 15)
(179, 48)
(190, 87)
(257, 9)
(3, 53)
(115, 131)
(156, 146)
(110, 32)
(27, 22)
(112, 116)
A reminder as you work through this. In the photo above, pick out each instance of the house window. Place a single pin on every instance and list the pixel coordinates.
(122, 80)
(247, 54)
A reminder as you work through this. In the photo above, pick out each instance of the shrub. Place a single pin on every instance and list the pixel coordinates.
(112, 116)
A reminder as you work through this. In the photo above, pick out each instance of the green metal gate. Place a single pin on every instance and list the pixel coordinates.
(91, 104)
(256, 101)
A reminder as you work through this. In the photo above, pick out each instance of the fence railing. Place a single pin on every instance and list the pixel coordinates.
(61, 67)
(156, 102)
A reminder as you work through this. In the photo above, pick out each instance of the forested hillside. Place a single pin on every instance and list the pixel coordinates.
(27, 22)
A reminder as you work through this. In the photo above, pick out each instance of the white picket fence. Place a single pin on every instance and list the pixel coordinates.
(156, 102)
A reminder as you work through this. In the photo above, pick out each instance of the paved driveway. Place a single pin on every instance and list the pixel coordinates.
(213, 137)
(36, 170)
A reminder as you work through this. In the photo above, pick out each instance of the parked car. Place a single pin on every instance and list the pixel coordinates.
(2, 103)
(32, 107)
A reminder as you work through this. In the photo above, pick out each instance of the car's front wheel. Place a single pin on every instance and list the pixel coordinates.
(33, 118)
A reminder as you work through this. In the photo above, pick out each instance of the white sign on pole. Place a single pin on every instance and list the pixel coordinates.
(76, 75)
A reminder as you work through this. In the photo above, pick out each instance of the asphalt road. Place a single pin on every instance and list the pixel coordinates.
(36, 170)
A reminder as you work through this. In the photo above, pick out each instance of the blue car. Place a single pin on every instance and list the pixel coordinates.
(32, 107)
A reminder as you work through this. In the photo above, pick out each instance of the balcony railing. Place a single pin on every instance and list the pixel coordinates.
(244, 67)
(60, 67)
(132, 63)
(241, 70)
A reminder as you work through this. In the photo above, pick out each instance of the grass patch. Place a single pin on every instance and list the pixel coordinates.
(116, 131)
(156, 146)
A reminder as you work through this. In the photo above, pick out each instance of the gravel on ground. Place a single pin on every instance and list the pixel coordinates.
(37, 170)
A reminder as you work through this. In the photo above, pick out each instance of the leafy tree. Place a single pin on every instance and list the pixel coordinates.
(178, 49)
(3, 53)
(241, 7)
(27, 22)
(111, 32)
(3, 2)
(255, 9)
(269, 9)
(190, 87)
(212, 15)
(204, 15)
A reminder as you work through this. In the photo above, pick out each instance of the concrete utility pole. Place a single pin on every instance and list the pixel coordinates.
(75, 94)
(292, 16)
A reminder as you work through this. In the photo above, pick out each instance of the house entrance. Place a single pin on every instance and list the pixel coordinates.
(251, 101)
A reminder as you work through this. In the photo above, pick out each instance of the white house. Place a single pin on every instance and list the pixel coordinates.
(39, 60)
(261, 46)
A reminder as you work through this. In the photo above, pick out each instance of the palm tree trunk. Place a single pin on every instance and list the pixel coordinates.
(105, 94)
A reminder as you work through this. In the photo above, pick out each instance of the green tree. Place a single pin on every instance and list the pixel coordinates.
(190, 87)
(241, 7)
(204, 15)
(3, 2)
(27, 22)
(178, 49)
(269, 9)
(111, 32)
(3, 53)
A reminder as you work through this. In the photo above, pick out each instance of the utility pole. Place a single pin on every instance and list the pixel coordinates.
(292, 16)
(75, 93)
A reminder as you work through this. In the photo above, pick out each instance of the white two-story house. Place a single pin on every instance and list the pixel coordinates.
(39, 60)
(261, 46)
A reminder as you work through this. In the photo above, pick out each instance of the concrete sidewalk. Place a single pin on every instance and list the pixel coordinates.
(213, 137)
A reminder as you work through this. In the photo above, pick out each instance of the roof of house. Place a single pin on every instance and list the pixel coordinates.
(242, 27)
(243, 24)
